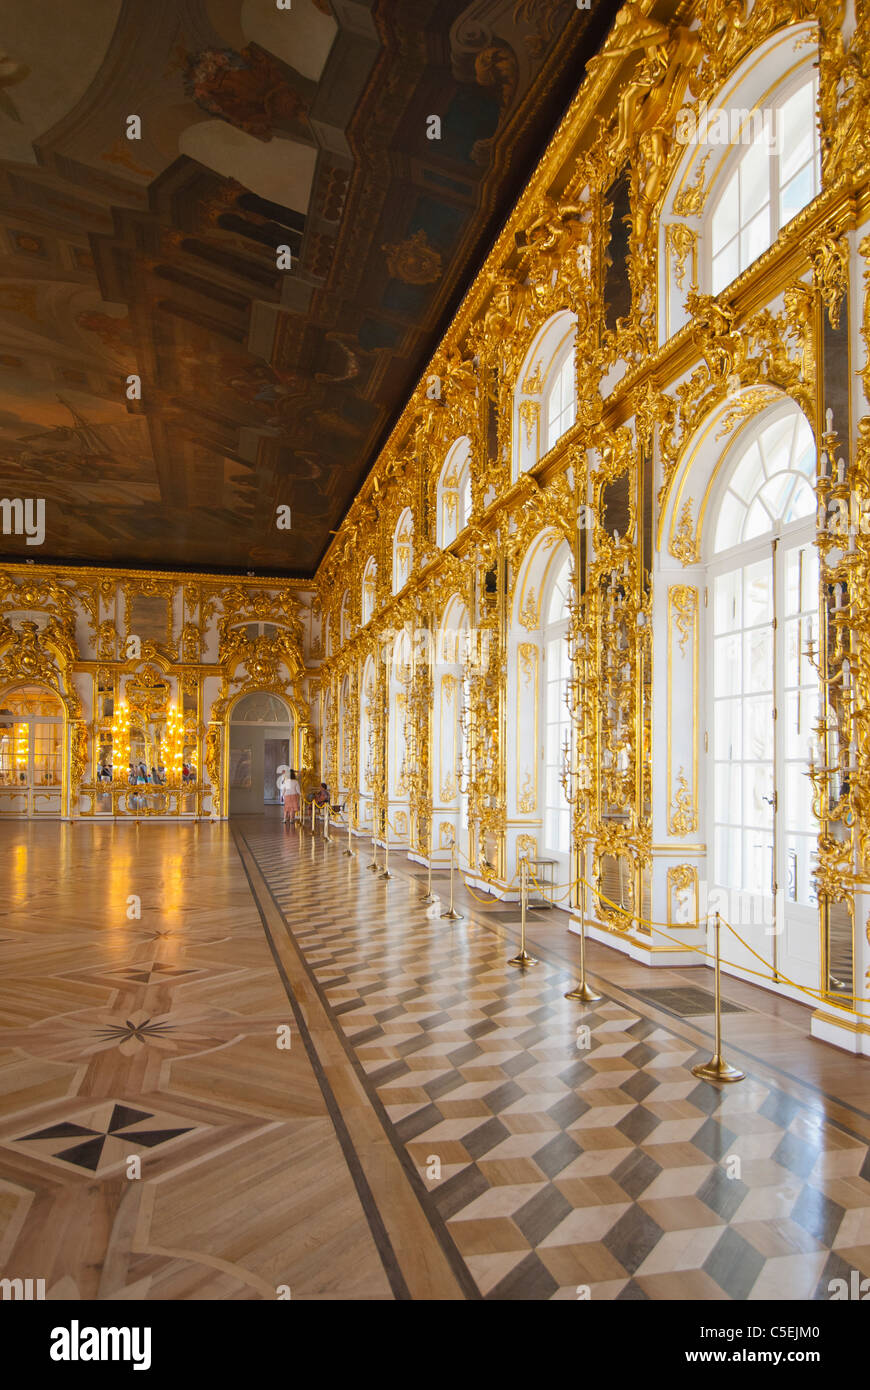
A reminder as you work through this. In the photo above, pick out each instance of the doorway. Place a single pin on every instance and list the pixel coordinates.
(262, 739)
(31, 752)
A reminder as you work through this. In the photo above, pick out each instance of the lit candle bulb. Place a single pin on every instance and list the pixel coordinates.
(829, 420)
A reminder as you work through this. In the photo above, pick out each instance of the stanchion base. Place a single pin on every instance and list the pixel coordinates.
(451, 915)
(385, 874)
(717, 1069)
(523, 961)
(583, 994)
(428, 899)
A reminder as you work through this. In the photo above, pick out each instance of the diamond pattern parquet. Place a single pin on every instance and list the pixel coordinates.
(609, 1166)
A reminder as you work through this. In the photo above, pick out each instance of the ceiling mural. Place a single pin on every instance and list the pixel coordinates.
(156, 257)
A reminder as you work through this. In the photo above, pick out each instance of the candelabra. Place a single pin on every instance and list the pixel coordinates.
(172, 745)
(840, 778)
(120, 742)
(841, 573)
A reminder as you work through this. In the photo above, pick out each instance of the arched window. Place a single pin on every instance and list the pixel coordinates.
(773, 482)
(403, 550)
(775, 176)
(369, 588)
(545, 397)
(763, 701)
(454, 492)
(751, 162)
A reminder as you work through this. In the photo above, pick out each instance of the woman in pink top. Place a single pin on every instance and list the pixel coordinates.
(292, 794)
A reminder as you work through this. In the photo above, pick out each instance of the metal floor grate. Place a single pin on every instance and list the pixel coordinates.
(688, 1001)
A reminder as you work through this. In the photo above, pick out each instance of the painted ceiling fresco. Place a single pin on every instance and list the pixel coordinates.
(155, 256)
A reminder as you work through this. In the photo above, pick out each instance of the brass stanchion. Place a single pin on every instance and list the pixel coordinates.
(451, 914)
(429, 897)
(313, 804)
(326, 814)
(717, 1069)
(349, 853)
(385, 872)
(374, 866)
(523, 960)
(583, 992)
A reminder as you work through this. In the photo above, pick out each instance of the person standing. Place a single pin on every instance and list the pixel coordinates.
(292, 794)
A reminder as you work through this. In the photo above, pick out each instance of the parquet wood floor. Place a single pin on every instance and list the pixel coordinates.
(433, 1131)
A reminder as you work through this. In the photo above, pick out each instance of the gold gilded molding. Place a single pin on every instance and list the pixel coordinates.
(683, 600)
(683, 629)
(684, 544)
(682, 244)
(683, 815)
(682, 879)
(689, 202)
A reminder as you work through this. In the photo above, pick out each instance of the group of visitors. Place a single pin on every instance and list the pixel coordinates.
(138, 774)
(291, 794)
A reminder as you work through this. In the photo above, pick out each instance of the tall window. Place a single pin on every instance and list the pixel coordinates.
(557, 721)
(777, 175)
(544, 404)
(454, 492)
(403, 550)
(765, 696)
(369, 585)
(562, 400)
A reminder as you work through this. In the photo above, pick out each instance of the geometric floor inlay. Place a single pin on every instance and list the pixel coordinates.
(557, 1146)
(103, 1136)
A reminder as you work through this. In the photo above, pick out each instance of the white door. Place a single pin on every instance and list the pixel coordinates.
(765, 709)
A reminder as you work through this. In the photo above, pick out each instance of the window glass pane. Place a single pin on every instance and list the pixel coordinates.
(725, 216)
(792, 641)
(727, 665)
(775, 445)
(810, 578)
(728, 793)
(777, 492)
(755, 238)
(726, 266)
(759, 660)
(728, 741)
(558, 606)
(803, 502)
(757, 861)
(730, 524)
(758, 522)
(464, 500)
(758, 728)
(727, 601)
(748, 475)
(757, 593)
(804, 456)
(796, 131)
(754, 181)
(797, 193)
(728, 855)
(798, 798)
